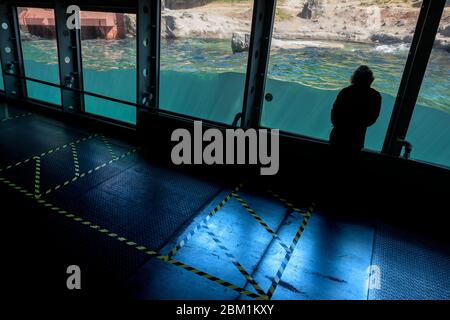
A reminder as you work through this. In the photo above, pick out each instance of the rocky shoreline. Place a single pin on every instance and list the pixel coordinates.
(297, 20)
(298, 23)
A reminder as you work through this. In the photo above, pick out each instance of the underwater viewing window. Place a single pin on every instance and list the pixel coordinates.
(316, 46)
(315, 52)
(204, 53)
(429, 130)
(109, 63)
(40, 53)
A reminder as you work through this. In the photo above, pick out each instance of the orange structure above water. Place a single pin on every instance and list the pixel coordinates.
(103, 25)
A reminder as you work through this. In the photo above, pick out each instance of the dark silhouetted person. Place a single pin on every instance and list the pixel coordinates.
(356, 108)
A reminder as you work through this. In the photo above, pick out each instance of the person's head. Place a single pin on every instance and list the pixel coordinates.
(363, 76)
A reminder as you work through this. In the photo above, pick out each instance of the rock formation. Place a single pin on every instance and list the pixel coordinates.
(130, 25)
(240, 42)
(445, 31)
(168, 26)
(312, 9)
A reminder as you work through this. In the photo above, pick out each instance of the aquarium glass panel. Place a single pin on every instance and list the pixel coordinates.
(317, 45)
(40, 53)
(204, 52)
(2, 86)
(429, 130)
(109, 63)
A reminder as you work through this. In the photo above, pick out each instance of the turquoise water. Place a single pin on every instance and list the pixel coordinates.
(46, 72)
(110, 69)
(41, 62)
(203, 78)
(2, 86)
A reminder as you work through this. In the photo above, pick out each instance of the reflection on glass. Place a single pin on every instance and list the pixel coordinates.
(40, 55)
(317, 45)
(204, 58)
(429, 130)
(109, 63)
(2, 86)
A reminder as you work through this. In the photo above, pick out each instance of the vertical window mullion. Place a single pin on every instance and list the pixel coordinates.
(69, 56)
(413, 75)
(148, 54)
(11, 52)
(258, 58)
